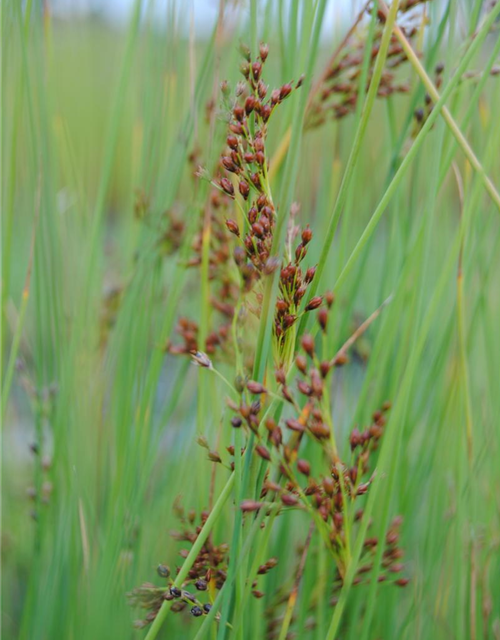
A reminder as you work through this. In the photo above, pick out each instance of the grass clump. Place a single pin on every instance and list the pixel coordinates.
(314, 226)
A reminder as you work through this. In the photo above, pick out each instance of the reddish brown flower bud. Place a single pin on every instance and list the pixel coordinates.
(301, 363)
(261, 451)
(277, 437)
(233, 227)
(260, 158)
(213, 456)
(324, 368)
(256, 387)
(320, 430)
(329, 485)
(249, 104)
(310, 274)
(281, 306)
(314, 303)
(256, 70)
(232, 142)
(236, 422)
(258, 594)
(262, 89)
(244, 188)
(263, 51)
(285, 91)
(236, 127)
(306, 235)
(323, 318)
(265, 112)
(250, 505)
(239, 113)
(307, 343)
(228, 164)
(270, 424)
(227, 186)
(255, 178)
(258, 230)
(300, 252)
(275, 96)
(288, 321)
(280, 376)
(355, 438)
(295, 425)
(304, 388)
(289, 500)
(340, 360)
(304, 467)
(329, 298)
(402, 582)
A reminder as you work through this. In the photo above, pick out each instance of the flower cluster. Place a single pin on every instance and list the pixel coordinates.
(336, 95)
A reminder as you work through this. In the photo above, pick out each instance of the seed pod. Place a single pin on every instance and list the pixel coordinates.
(260, 158)
(207, 607)
(300, 252)
(261, 451)
(233, 227)
(249, 104)
(236, 422)
(244, 188)
(329, 485)
(310, 274)
(248, 157)
(306, 235)
(262, 89)
(250, 505)
(355, 438)
(256, 70)
(295, 425)
(265, 112)
(301, 363)
(307, 343)
(277, 437)
(289, 500)
(402, 582)
(324, 368)
(175, 592)
(329, 298)
(419, 115)
(340, 360)
(163, 570)
(256, 387)
(257, 229)
(232, 142)
(228, 164)
(236, 128)
(213, 456)
(227, 186)
(285, 91)
(196, 611)
(263, 51)
(255, 178)
(304, 467)
(314, 303)
(288, 320)
(323, 318)
(280, 376)
(304, 388)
